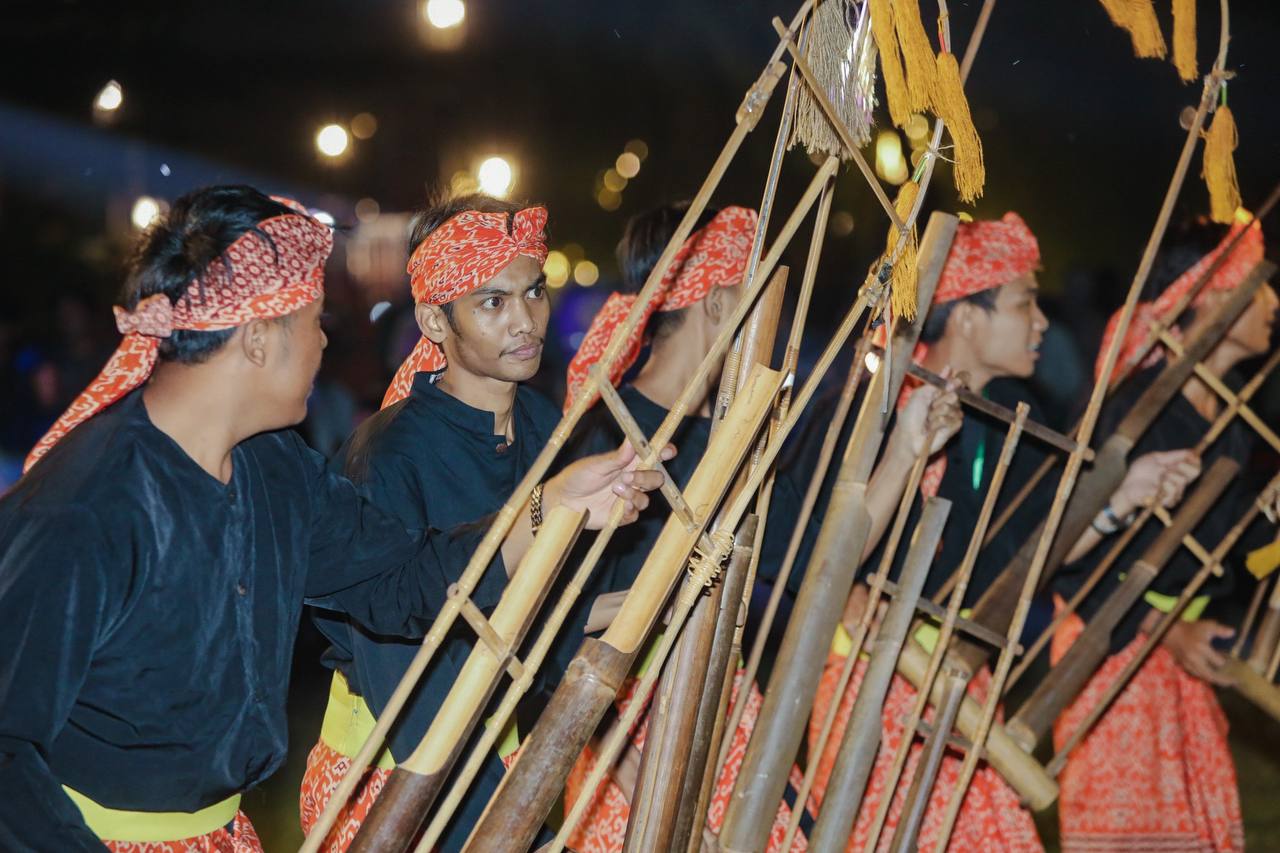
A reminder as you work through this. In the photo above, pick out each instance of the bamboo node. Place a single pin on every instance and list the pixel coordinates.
(705, 567)
(757, 97)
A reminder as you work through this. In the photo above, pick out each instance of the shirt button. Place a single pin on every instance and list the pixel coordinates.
(241, 589)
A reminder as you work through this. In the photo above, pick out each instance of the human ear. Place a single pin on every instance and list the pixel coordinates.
(714, 305)
(254, 341)
(432, 322)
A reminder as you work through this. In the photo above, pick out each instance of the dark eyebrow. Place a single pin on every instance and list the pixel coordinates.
(540, 281)
(491, 291)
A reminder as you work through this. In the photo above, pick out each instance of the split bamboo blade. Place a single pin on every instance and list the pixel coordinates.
(906, 836)
(788, 700)
(1268, 636)
(531, 787)
(1068, 679)
(996, 606)
(862, 736)
(1023, 773)
(415, 784)
(1254, 687)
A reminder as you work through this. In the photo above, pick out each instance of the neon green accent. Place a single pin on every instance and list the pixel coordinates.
(1166, 603)
(348, 722)
(842, 642)
(926, 635)
(647, 660)
(510, 738)
(979, 464)
(120, 825)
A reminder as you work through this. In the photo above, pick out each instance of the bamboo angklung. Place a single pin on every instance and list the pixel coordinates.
(862, 736)
(1123, 372)
(704, 765)
(995, 607)
(746, 118)
(1065, 681)
(871, 292)
(846, 525)
(1034, 575)
(1216, 429)
(1212, 566)
(673, 717)
(423, 774)
(963, 572)
(1268, 637)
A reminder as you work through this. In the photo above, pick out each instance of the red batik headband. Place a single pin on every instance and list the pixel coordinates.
(714, 256)
(257, 278)
(455, 259)
(1244, 257)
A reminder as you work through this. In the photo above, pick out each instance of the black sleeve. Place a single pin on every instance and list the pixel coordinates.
(364, 562)
(54, 601)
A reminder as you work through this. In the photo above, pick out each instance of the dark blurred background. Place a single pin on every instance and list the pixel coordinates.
(598, 109)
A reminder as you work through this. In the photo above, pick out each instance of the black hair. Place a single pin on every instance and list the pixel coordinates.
(643, 241)
(441, 208)
(179, 248)
(1188, 243)
(935, 324)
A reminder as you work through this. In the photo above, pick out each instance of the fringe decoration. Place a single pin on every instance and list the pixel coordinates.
(836, 53)
(1184, 39)
(895, 79)
(970, 171)
(903, 287)
(917, 55)
(1219, 166)
(1138, 18)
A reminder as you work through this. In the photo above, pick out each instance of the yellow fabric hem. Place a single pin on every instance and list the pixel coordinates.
(121, 825)
(348, 722)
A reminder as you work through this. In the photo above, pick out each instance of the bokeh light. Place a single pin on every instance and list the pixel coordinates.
(110, 98)
(332, 140)
(145, 211)
(444, 14)
(556, 269)
(364, 126)
(495, 177)
(628, 164)
(586, 273)
(890, 164)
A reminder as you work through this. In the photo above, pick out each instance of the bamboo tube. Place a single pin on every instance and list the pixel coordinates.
(1065, 681)
(747, 117)
(1209, 567)
(669, 745)
(996, 606)
(1216, 429)
(727, 647)
(1023, 773)
(420, 778)
(954, 684)
(1250, 615)
(863, 633)
(963, 573)
(1085, 433)
(530, 788)
(1254, 687)
(780, 725)
(861, 739)
(1123, 372)
(1268, 637)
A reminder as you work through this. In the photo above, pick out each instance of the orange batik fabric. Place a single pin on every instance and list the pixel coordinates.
(1156, 772)
(991, 818)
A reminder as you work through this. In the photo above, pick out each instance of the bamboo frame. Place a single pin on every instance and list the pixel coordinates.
(1210, 567)
(1214, 432)
(1075, 460)
(1068, 678)
(943, 641)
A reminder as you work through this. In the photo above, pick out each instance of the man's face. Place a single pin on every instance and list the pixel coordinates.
(1006, 340)
(498, 329)
(296, 351)
(1251, 331)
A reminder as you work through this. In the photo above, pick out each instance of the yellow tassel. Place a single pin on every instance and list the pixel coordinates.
(917, 55)
(895, 82)
(1220, 168)
(903, 285)
(1138, 18)
(953, 109)
(1184, 39)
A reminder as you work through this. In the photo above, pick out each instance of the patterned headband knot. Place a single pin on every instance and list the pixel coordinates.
(267, 272)
(713, 256)
(153, 317)
(987, 254)
(1246, 254)
(467, 250)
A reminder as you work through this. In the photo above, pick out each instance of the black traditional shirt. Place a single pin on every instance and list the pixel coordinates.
(148, 614)
(1178, 427)
(432, 461)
